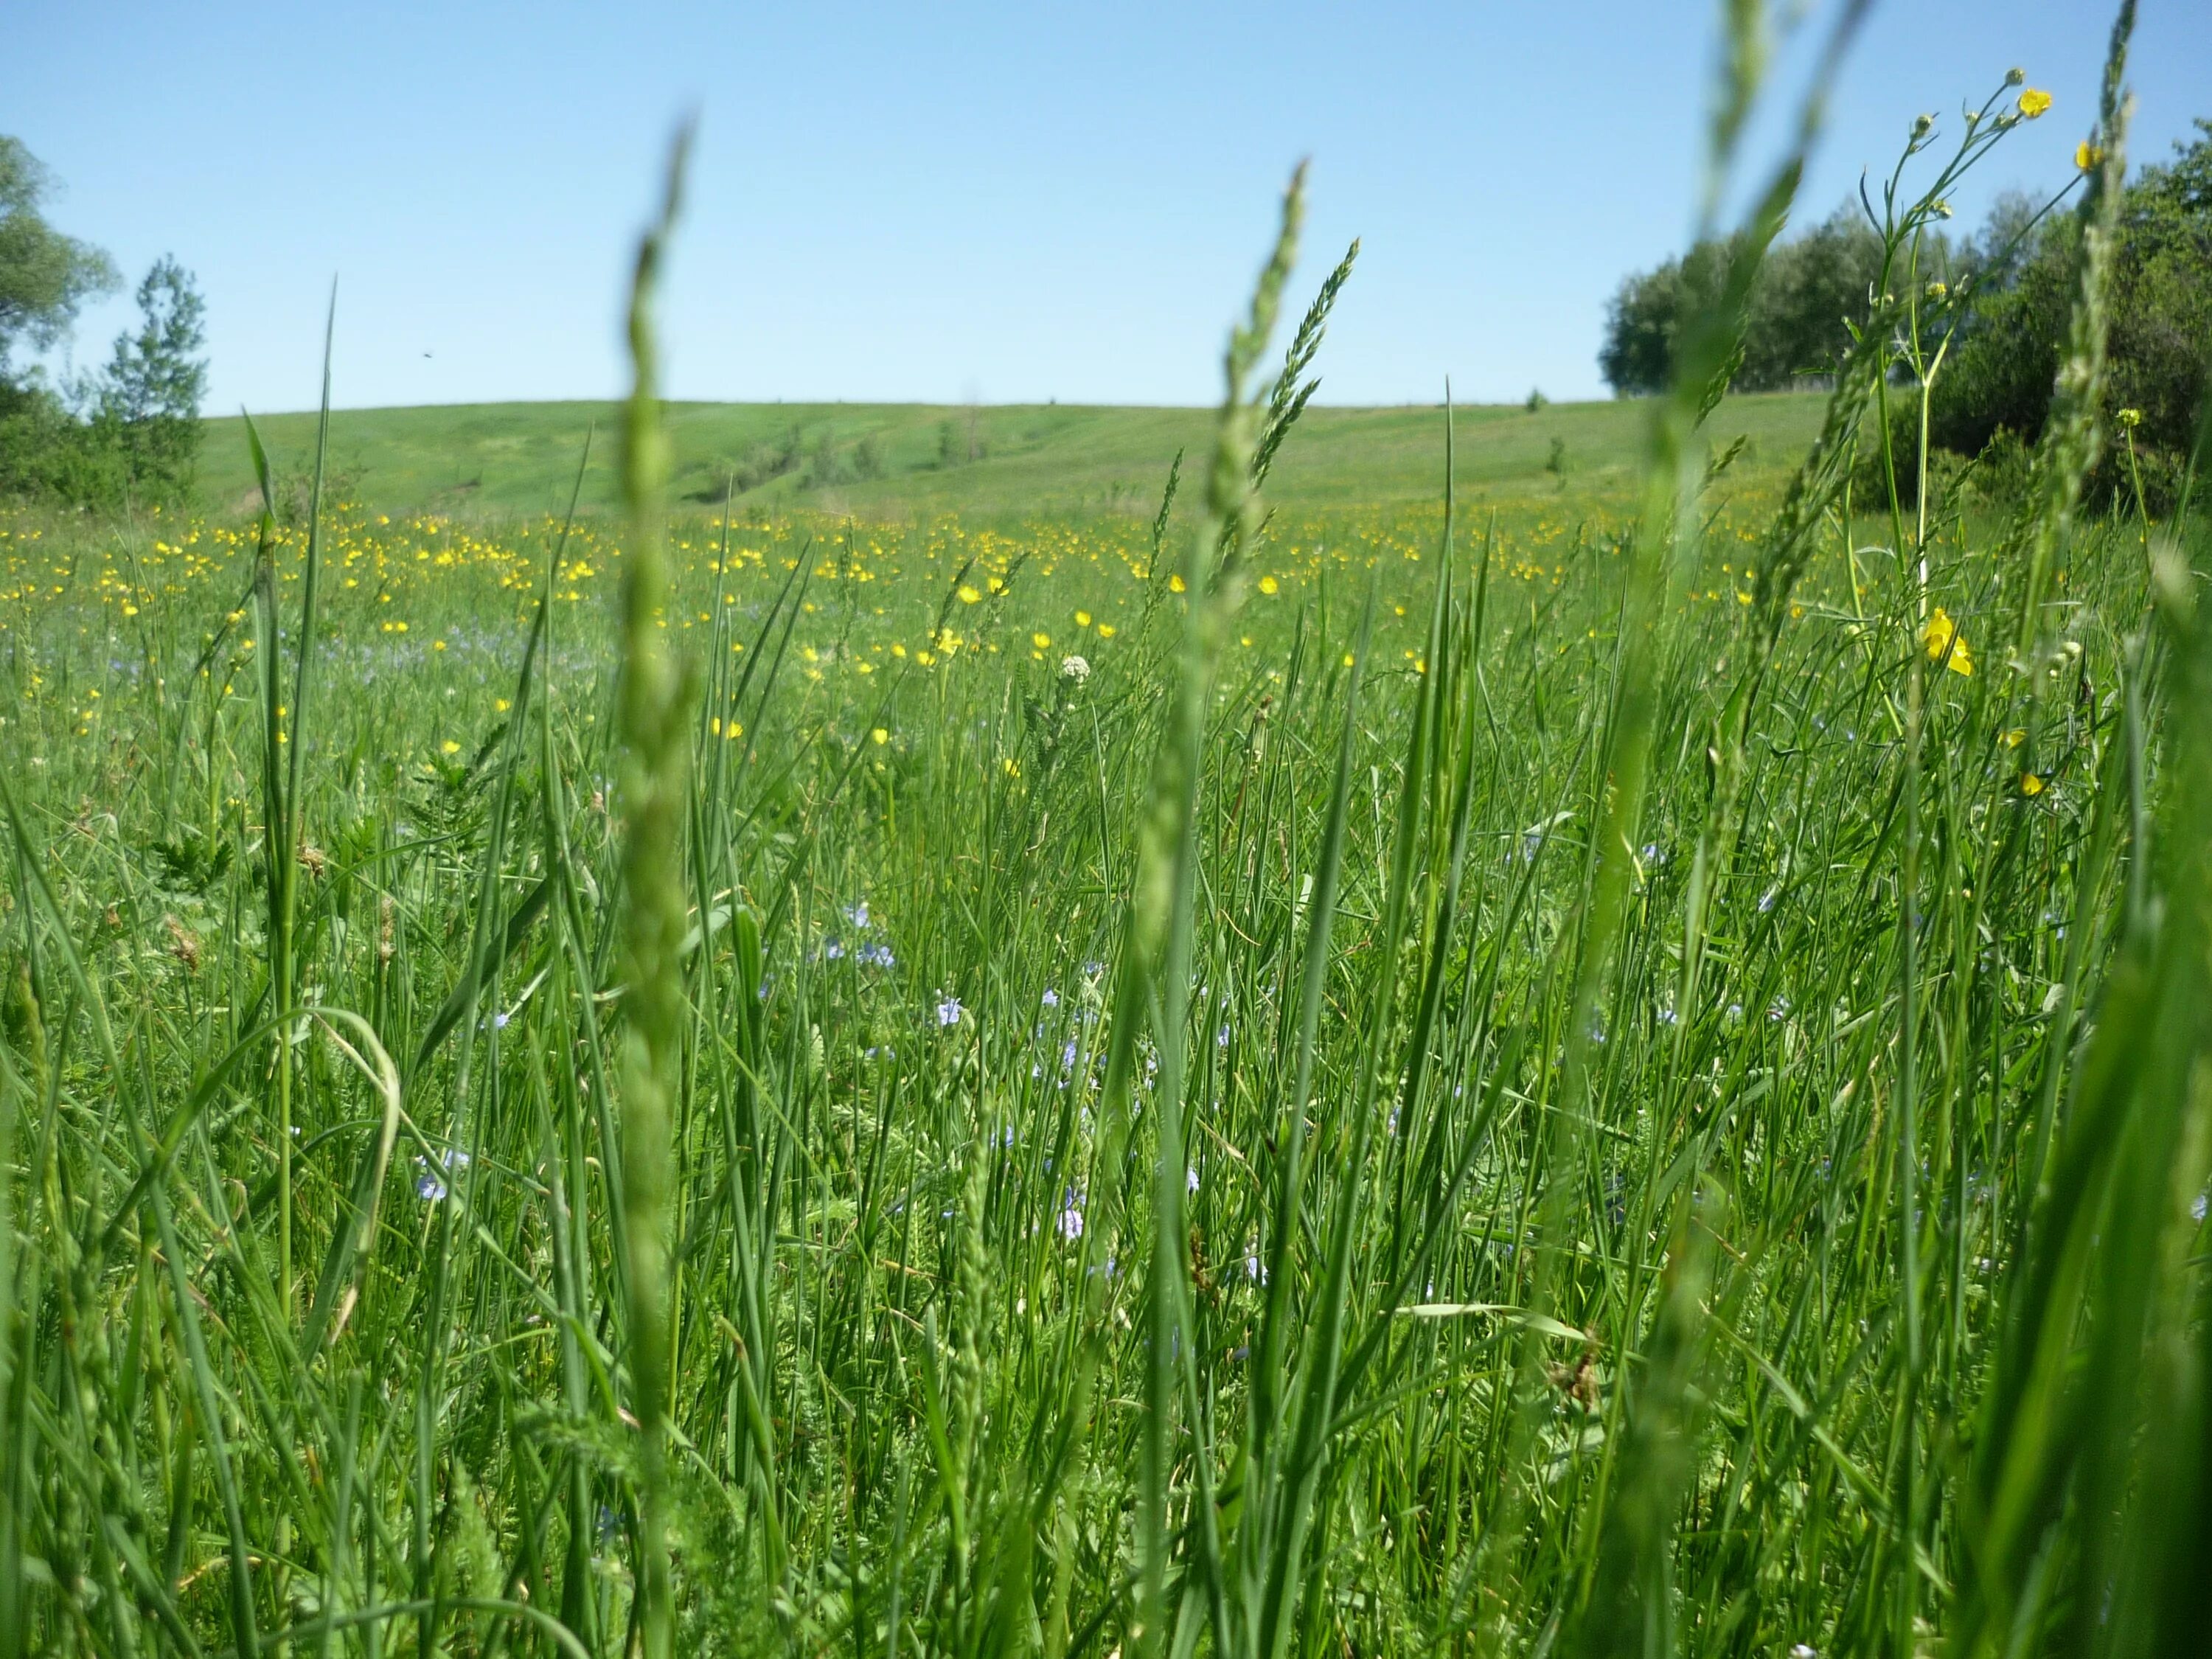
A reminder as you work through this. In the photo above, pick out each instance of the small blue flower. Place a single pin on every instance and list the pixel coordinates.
(1051, 998)
(430, 1186)
(948, 1010)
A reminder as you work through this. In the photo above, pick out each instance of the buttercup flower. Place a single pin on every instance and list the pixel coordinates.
(2033, 102)
(1942, 636)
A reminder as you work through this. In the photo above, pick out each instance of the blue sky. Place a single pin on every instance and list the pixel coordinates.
(998, 201)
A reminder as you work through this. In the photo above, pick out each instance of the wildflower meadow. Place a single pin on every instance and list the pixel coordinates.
(1596, 1071)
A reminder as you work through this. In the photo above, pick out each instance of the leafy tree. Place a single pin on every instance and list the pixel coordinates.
(1638, 357)
(131, 433)
(2005, 359)
(45, 276)
(1810, 290)
(1808, 287)
(150, 399)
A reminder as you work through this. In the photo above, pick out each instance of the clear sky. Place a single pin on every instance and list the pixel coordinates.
(939, 203)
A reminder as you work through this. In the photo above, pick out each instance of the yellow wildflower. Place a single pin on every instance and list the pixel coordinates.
(2030, 784)
(2033, 102)
(967, 595)
(1941, 636)
(2087, 156)
(880, 735)
(1175, 585)
(1043, 641)
(449, 747)
(1268, 586)
(1105, 630)
(1082, 619)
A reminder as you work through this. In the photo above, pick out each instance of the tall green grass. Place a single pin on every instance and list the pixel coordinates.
(1425, 1106)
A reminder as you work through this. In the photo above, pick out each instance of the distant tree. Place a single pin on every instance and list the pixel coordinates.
(1638, 357)
(1796, 324)
(150, 399)
(2004, 361)
(1810, 290)
(45, 276)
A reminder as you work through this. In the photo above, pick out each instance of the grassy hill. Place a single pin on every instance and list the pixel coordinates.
(885, 460)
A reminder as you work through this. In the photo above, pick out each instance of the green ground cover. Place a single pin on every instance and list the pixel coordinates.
(1609, 1066)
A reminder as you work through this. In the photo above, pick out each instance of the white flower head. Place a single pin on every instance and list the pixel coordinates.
(1075, 668)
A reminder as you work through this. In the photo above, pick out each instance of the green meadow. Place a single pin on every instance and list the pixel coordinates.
(502, 459)
(705, 1028)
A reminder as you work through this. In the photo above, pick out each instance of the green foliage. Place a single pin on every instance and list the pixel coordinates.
(45, 276)
(149, 399)
(129, 435)
(1809, 289)
(2004, 362)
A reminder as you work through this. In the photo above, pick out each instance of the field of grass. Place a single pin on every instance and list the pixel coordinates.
(1617, 1069)
(504, 458)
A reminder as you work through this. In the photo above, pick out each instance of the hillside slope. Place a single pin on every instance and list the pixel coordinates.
(890, 461)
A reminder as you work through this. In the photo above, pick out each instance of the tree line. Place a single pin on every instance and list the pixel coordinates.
(126, 433)
(2016, 277)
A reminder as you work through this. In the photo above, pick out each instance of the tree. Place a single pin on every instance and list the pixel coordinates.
(1810, 291)
(44, 275)
(2005, 358)
(150, 399)
(1638, 357)
(1796, 323)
